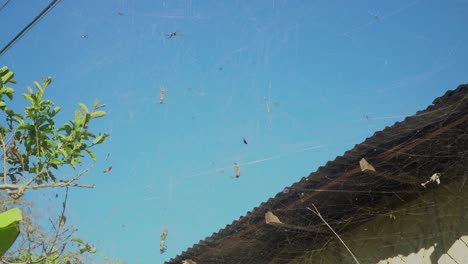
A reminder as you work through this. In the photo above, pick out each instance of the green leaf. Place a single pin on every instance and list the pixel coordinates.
(2, 104)
(46, 81)
(72, 163)
(9, 228)
(55, 162)
(25, 127)
(66, 127)
(29, 98)
(63, 152)
(83, 107)
(78, 115)
(91, 154)
(39, 88)
(87, 133)
(9, 92)
(7, 77)
(98, 114)
(57, 109)
(87, 117)
(100, 139)
(77, 240)
(3, 70)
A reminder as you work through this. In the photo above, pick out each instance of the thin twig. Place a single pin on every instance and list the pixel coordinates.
(316, 212)
(80, 174)
(5, 157)
(57, 231)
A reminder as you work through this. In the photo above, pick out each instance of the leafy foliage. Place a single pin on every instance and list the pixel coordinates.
(34, 150)
(34, 145)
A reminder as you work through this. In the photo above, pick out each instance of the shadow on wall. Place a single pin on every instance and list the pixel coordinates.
(430, 229)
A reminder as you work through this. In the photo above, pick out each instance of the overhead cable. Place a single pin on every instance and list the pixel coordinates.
(29, 26)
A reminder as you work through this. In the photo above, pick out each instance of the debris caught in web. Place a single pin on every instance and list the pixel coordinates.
(162, 93)
(108, 169)
(366, 166)
(63, 220)
(272, 219)
(162, 241)
(392, 216)
(188, 261)
(267, 103)
(237, 166)
(245, 141)
(434, 178)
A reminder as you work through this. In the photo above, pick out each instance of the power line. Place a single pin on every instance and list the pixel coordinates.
(5, 4)
(29, 26)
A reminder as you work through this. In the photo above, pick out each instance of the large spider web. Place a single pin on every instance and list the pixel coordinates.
(301, 82)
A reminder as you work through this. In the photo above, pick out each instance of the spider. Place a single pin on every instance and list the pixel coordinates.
(172, 34)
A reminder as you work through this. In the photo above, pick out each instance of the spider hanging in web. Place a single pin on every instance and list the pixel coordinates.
(173, 34)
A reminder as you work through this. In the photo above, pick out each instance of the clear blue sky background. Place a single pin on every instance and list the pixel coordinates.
(331, 73)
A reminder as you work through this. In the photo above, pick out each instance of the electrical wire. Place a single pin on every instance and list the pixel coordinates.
(5, 4)
(29, 26)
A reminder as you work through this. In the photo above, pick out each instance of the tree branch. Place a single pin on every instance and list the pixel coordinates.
(13, 187)
(20, 188)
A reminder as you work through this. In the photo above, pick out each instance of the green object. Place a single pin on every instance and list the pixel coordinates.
(9, 228)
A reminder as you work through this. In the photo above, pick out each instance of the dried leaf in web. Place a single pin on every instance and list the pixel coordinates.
(63, 220)
(162, 241)
(434, 178)
(366, 166)
(108, 169)
(162, 94)
(237, 166)
(188, 261)
(272, 219)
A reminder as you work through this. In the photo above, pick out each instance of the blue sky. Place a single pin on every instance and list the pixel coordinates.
(301, 81)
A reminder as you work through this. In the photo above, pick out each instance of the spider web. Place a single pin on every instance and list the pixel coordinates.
(301, 82)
